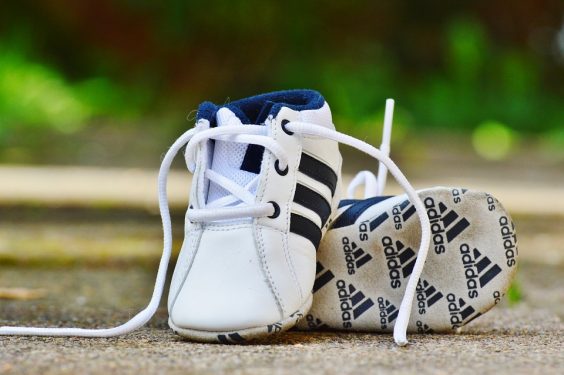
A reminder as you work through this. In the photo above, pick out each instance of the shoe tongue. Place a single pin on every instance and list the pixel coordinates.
(229, 158)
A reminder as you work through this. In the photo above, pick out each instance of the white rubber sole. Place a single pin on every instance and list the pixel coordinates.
(365, 260)
(244, 335)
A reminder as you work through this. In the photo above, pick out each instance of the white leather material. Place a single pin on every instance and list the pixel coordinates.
(321, 116)
(225, 288)
(192, 237)
(272, 186)
(301, 251)
(273, 247)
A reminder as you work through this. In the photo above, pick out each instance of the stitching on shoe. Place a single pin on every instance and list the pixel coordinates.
(226, 228)
(266, 162)
(260, 247)
(287, 254)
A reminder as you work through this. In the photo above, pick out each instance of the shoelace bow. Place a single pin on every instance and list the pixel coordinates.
(251, 134)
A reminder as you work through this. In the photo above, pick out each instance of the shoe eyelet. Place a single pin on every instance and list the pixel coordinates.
(276, 210)
(283, 124)
(278, 170)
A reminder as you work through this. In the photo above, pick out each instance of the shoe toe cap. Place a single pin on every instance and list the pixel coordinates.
(225, 288)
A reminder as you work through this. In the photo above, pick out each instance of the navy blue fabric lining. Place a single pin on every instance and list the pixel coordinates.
(357, 208)
(256, 109)
(373, 200)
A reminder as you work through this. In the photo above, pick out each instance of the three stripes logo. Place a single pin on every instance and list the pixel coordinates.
(399, 259)
(478, 269)
(315, 323)
(388, 312)
(322, 277)
(443, 224)
(311, 199)
(401, 213)
(355, 257)
(460, 312)
(351, 301)
(427, 296)
(231, 338)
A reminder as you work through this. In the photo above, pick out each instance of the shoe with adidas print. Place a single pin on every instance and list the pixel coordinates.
(370, 250)
(266, 185)
(263, 194)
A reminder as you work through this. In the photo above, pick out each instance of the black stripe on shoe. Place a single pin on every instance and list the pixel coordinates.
(306, 228)
(314, 201)
(319, 171)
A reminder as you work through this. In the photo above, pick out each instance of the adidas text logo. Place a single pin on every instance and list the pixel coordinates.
(423, 327)
(351, 300)
(475, 265)
(460, 312)
(427, 296)
(509, 240)
(315, 323)
(322, 277)
(354, 255)
(398, 258)
(388, 312)
(490, 202)
(443, 223)
(457, 195)
(402, 212)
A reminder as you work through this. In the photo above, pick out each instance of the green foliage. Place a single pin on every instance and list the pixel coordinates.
(447, 69)
(34, 95)
(514, 294)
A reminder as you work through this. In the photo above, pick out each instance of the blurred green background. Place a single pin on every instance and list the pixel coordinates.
(100, 82)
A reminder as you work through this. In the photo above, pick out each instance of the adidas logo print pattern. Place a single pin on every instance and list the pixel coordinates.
(401, 213)
(382, 279)
(443, 224)
(322, 277)
(388, 313)
(355, 257)
(353, 300)
(427, 296)
(477, 267)
(461, 313)
(399, 259)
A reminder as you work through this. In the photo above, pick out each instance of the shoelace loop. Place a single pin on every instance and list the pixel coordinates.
(222, 208)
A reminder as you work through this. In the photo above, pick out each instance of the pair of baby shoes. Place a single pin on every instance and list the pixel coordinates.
(270, 243)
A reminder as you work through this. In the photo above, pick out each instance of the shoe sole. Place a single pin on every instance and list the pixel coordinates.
(243, 335)
(363, 268)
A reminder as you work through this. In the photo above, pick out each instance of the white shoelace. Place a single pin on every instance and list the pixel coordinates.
(374, 187)
(252, 134)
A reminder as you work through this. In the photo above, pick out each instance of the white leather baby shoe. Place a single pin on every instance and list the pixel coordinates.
(261, 199)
